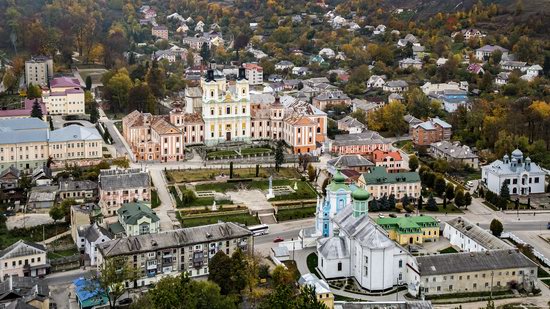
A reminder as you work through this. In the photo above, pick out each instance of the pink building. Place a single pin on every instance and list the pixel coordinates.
(117, 187)
(24, 111)
(391, 160)
(362, 143)
(160, 32)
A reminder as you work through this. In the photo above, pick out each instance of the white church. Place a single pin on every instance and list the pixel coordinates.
(354, 246)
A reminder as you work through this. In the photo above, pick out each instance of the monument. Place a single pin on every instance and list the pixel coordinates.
(270, 191)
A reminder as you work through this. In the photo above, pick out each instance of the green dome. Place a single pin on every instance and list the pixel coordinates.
(360, 194)
(339, 178)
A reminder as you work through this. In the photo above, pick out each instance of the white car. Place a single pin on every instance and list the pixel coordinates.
(380, 216)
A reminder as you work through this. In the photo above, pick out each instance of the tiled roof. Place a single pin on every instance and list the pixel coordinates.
(64, 82)
(379, 155)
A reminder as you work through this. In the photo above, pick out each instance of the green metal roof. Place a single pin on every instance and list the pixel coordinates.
(404, 224)
(360, 194)
(132, 212)
(337, 183)
(379, 175)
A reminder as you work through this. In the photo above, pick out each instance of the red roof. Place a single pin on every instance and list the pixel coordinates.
(379, 155)
(253, 66)
(64, 82)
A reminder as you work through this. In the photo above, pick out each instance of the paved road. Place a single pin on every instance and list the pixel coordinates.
(166, 203)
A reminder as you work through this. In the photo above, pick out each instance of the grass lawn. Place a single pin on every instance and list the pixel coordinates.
(221, 153)
(305, 191)
(62, 253)
(179, 176)
(155, 201)
(245, 219)
(448, 250)
(35, 233)
(312, 261)
(296, 213)
(451, 208)
(248, 151)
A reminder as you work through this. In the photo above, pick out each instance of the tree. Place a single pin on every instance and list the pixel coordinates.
(413, 163)
(141, 98)
(205, 53)
(405, 200)
(94, 112)
(36, 111)
(220, 272)
(89, 82)
(420, 201)
(467, 199)
(66, 207)
(238, 271)
(439, 185)
(496, 227)
(459, 198)
(57, 213)
(113, 275)
(118, 87)
(281, 276)
(432, 206)
(230, 169)
(279, 155)
(391, 201)
(505, 191)
(450, 191)
(33, 91)
(324, 186)
(9, 80)
(311, 172)
(155, 80)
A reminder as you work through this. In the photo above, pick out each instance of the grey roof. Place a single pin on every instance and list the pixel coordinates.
(321, 286)
(21, 248)
(364, 138)
(411, 120)
(123, 179)
(454, 150)
(405, 304)
(42, 194)
(132, 212)
(397, 83)
(491, 48)
(75, 133)
(353, 160)
(95, 231)
(501, 168)
(431, 123)
(25, 124)
(10, 170)
(173, 239)
(280, 251)
(19, 137)
(76, 185)
(477, 234)
(24, 286)
(351, 122)
(441, 264)
(332, 95)
(362, 229)
(333, 248)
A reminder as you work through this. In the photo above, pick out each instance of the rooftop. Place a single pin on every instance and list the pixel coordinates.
(353, 160)
(123, 179)
(132, 212)
(364, 138)
(379, 175)
(477, 234)
(454, 150)
(75, 133)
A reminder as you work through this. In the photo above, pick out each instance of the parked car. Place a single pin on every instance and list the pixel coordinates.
(407, 215)
(470, 184)
(393, 215)
(278, 239)
(380, 216)
(125, 301)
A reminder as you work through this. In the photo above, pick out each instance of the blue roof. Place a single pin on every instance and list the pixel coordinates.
(7, 136)
(25, 124)
(89, 293)
(74, 133)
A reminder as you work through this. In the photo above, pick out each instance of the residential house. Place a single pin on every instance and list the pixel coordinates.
(410, 63)
(509, 65)
(199, 26)
(369, 105)
(430, 131)
(376, 81)
(331, 98)
(396, 97)
(454, 152)
(82, 216)
(531, 72)
(24, 293)
(258, 54)
(468, 34)
(469, 237)
(65, 97)
(172, 252)
(380, 29)
(433, 89)
(453, 99)
(117, 187)
(502, 78)
(379, 182)
(419, 52)
(476, 68)
(42, 176)
(300, 71)
(351, 125)
(391, 160)
(483, 53)
(254, 73)
(411, 121)
(441, 61)
(93, 236)
(410, 230)
(480, 272)
(363, 143)
(353, 162)
(284, 65)
(196, 43)
(42, 197)
(9, 178)
(160, 32)
(522, 176)
(396, 86)
(79, 190)
(38, 70)
(327, 53)
(23, 259)
(138, 219)
(322, 290)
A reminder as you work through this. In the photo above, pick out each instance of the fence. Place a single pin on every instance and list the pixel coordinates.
(518, 240)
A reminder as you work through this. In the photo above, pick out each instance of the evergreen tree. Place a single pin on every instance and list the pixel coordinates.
(496, 227)
(439, 185)
(230, 169)
(36, 111)
(505, 191)
(413, 163)
(384, 205)
(220, 272)
(450, 191)
(467, 199)
(405, 201)
(459, 198)
(279, 155)
(391, 201)
(94, 112)
(205, 53)
(88, 82)
(155, 80)
(432, 206)
(420, 202)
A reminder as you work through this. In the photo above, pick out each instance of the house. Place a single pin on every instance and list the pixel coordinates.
(380, 29)
(83, 215)
(391, 160)
(522, 176)
(275, 78)
(327, 53)
(199, 27)
(256, 53)
(476, 68)
(93, 236)
(502, 78)
(173, 252)
(368, 106)
(410, 230)
(419, 51)
(117, 187)
(254, 73)
(353, 162)
(42, 176)
(23, 259)
(351, 125)
(79, 190)
(468, 34)
(9, 178)
(430, 131)
(196, 43)
(24, 293)
(75, 142)
(300, 71)
(411, 120)
(453, 99)
(42, 197)
(160, 32)
(396, 97)
(441, 61)
(38, 70)
(376, 81)
(138, 219)
(183, 28)
(510, 65)
(454, 152)
(322, 290)
(362, 143)
(65, 97)
(381, 183)
(331, 98)
(284, 65)
(469, 237)
(89, 294)
(480, 272)
(316, 59)
(410, 63)
(434, 89)
(531, 72)
(483, 53)
(396, 86)
(25, 110)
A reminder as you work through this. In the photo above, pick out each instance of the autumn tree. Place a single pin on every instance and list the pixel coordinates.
(413, 163)
(118, 87)
(155, 80)
(496, 227)
(34, 92)
(113, 275)
(220, 272)
(141, 98)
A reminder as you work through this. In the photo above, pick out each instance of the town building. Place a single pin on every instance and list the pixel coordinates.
(396, 86)
(93, 235)
(172, 252)
(391, 160)
(284, 65)
(9, 178)
(138, 219)
(353, 162)
(376, 81)
(38, 70)
(118, 187)
(322, 289)
(351, 125)
(25, 110)
(468, 34)
(254, 73)
(24, 293)
(474, 272)
(79, 190)
(502, 78)
(483, 53)
(42, 197)
(81, 216)
(411, 120)
(331, 98)
(522, 176)
(453, 99)
(368, 106)
(379, 183)
(160, 32)
(23, 259)
(410, 63)
(65, 97)
(75, 142)
(509, 65)
(454, 152)
(430, 131)
(196, 43)
(89, 294)
(432, 89)
(24, 143)
(362, 143)
(469, 237)
(338, 196)
(410, 230)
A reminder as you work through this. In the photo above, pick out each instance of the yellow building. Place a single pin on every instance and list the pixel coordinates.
(410, 230)
(322, 289)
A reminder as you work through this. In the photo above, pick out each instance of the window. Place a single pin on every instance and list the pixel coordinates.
(339, 266)
(400, 263)
(475, 285)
